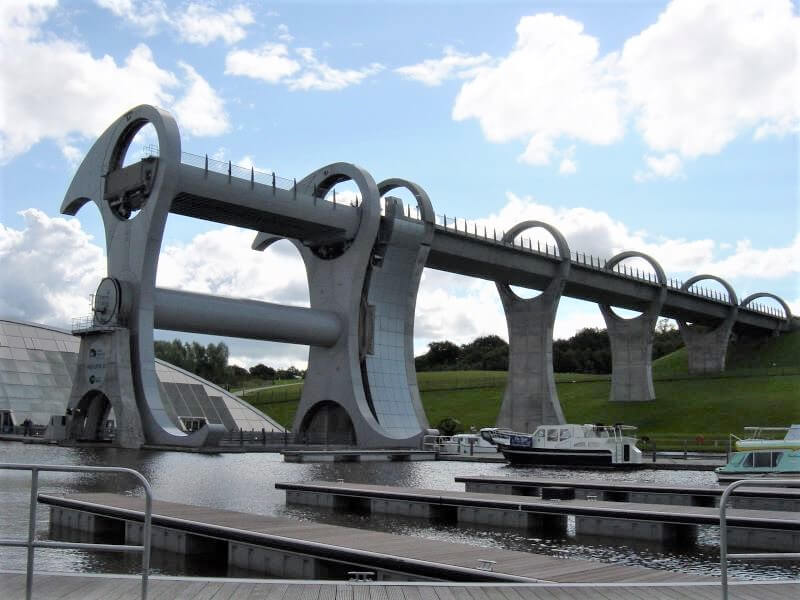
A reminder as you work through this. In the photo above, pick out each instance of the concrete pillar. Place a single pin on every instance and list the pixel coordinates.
(104, 376)
(530, 397)
(362, 390)
(707, 346)
(632, 341)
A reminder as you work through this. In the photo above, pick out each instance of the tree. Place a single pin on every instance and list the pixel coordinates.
(441, 356)
(487, 353)
(449, 426)
(262, 372)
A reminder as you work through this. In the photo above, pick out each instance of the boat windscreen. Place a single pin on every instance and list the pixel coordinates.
(793, 434)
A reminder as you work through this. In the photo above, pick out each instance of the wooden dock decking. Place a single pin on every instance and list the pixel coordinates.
(62, 586)
(369, 549)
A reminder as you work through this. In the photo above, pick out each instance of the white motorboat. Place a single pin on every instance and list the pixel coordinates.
(569, 445)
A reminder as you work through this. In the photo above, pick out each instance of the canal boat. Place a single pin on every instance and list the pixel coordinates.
(569, 445)
(757, 457)
(462, 444)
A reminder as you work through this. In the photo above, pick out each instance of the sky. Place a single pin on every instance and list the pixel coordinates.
(669, 128)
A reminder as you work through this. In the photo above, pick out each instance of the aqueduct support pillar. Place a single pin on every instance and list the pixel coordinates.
(707, 346)
(632, 341)
(530, 398)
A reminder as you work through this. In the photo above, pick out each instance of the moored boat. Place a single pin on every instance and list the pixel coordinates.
(569, 445)
(462, 444)
(757, 457)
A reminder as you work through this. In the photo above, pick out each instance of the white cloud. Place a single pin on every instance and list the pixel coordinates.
(669, 166)
(73, 154)
(147, 15)
(270, 63)
(446, 309)
(47, 83)
(201, 111)
(552, 86)
(195, 22)
(767, 263)
(203, 24)
(318, 75)
(220, 261)
(708, 71)
(298, 69)
(48, 269)
(705, 73)
(568, 165)
(283, 33)
(453, 64)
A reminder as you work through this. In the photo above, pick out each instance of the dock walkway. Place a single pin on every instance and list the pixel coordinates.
(334, 549)
(62, 586)
(755, 529)
(759, 498)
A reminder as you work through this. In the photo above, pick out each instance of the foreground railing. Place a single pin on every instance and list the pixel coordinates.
(31, 544)
(724, 556)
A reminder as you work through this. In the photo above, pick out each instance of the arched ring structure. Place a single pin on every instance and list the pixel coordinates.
(132, 249)
(732, 298)
(563, 251)
(787, 311)
(660, 276)
(421, 196)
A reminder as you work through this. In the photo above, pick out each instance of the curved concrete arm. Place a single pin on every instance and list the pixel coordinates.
(778, 299)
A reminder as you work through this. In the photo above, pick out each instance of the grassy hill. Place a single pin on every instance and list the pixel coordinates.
(760, 387)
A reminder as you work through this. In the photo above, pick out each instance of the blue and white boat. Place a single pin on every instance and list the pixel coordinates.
(757, 457)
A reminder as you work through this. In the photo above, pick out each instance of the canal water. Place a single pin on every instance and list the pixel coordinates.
(245, 482)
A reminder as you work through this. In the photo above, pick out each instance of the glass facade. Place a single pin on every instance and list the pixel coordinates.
(37, 364)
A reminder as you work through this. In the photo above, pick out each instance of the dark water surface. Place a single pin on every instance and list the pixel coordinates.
(245, 482)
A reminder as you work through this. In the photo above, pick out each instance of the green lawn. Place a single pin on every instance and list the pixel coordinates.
(751, 392)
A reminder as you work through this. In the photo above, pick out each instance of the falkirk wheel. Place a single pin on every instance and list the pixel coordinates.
(363, 263)
(363, 272)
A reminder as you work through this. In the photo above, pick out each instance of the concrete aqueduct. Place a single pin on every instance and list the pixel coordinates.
(364, 267)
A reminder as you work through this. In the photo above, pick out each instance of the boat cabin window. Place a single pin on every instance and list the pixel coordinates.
(552, 435)
(762, 459)
(776, 458)
(748, 460)
(539, 435)
(564, 435)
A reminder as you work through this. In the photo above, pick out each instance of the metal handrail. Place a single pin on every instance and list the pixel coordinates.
(31, 544)
(724, 556)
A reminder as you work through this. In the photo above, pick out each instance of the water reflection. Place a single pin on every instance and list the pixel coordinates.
(245, 482)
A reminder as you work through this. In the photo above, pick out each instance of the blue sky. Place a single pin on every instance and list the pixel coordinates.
(665, 127)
